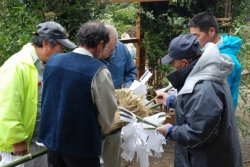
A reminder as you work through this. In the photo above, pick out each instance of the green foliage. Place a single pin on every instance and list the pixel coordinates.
(69, 13)
(16, 28)
(241, 25)
(121, 15)
(160, 23)
(20, 17)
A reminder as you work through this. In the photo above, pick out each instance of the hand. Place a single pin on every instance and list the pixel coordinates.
(162, 98)
(162, 130)
(20, 149)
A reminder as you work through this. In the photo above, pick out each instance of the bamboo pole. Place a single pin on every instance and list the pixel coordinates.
(122, 109)
(25, 158)
(154, 106)
(157, 96)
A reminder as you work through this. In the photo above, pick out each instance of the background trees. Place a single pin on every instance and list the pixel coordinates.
(20, 17)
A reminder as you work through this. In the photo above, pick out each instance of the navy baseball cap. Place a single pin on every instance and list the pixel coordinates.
(53, 30)
(182, 47)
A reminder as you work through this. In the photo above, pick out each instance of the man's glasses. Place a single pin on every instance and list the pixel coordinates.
(107, 50)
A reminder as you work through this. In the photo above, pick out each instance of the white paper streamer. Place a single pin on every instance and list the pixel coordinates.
(140, 141)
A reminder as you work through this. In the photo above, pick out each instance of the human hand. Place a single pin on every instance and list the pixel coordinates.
(162, 130)
(20, 149)
(162, 98)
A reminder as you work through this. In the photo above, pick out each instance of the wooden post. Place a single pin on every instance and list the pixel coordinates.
(140, 52)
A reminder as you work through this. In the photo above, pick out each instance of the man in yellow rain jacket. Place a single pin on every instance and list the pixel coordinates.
(20, 93)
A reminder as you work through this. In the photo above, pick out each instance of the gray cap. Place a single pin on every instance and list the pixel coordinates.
(53, 30)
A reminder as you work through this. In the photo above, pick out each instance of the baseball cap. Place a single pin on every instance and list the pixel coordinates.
(53, 30)
(182, 47)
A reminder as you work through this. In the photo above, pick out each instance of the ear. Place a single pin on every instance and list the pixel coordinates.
(46, 45)
(100, 46)
(211, 31)
(184, 62)
(98, 50)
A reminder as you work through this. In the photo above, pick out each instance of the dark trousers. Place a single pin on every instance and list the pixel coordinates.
(62, 160)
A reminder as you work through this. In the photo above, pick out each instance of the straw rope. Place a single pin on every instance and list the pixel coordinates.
(131, 102)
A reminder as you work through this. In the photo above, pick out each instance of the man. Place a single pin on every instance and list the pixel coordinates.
(119, 61)
(21, 82)
(205, 127)
(205, 27)
(123, 73)
(79, 101)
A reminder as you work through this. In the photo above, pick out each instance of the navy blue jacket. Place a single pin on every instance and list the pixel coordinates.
(69, 123)
(205, 130)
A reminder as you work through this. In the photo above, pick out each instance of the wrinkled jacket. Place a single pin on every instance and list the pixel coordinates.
(205, 130)
(231, 47)
(121, 66)
(18, 99)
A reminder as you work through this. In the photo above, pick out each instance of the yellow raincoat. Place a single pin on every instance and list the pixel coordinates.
(18, 99)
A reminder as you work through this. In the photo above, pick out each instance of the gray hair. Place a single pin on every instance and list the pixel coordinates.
(112, 31)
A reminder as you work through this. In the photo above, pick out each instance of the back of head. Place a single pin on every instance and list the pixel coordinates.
(91, 34)
(53, 33)
(204, 21)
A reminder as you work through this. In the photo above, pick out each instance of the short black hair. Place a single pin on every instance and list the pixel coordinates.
(204, 21)
(92, 33)
(38, 41)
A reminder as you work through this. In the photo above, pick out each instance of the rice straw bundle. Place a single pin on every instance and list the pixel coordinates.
(131, 102)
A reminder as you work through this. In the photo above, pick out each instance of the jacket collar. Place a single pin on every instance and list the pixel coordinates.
(178, 78)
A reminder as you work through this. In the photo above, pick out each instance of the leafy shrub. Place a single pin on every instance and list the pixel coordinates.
(16, 27)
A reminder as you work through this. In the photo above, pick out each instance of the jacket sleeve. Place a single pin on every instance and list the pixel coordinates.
(201, 113)
(130, 69)
(104, 97)
(234, 80)
(12, 87)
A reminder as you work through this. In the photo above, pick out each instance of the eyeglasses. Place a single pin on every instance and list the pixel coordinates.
(174, 61)
(107, 50)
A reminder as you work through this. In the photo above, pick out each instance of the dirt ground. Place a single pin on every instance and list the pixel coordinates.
(167, 159)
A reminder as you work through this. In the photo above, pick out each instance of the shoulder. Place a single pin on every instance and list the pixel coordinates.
(17, 61)
(231, 40)
(102, 74)
(121, 46)
(208, 88)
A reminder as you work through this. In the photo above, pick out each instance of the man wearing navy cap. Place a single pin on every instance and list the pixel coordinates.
(205, 128)
(21, 82)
